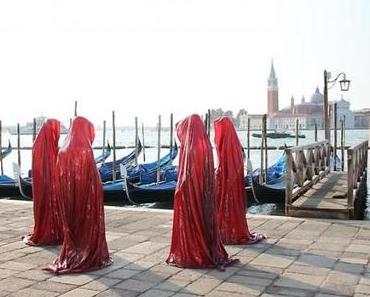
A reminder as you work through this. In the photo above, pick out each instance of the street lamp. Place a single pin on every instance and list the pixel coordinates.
(344, 86)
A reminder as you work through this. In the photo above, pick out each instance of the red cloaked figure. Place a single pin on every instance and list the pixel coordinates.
(84, 246)
(48, 229)
(195, 237)
(230, 190)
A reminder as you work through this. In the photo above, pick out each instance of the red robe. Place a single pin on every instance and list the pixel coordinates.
(195, 238)
(84, 246)
(47, 228)
(230, 189)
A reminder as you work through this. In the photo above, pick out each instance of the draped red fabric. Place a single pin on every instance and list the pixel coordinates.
(195, 238)
(230, 189)
(84, 246)
(47, 228)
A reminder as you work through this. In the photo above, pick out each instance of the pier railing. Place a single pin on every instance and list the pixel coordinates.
(357, 167)
(306, 165)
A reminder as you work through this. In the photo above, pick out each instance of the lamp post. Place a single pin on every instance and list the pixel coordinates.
(344, 86)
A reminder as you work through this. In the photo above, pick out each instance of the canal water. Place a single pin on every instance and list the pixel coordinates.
(125, 136)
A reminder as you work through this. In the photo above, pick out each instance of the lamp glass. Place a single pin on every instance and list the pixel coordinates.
(344, 84)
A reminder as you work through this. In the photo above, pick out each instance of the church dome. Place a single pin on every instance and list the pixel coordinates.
(317, 97)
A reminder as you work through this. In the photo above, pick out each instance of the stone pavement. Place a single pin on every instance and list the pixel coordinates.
(302, 257)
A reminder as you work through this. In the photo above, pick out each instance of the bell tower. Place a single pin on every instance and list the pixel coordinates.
(272, 92)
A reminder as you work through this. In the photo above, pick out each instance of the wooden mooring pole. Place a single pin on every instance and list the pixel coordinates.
(171, 131)
(296, 132)
(335, 136)
(248, 138)
(142, 136)
(316, 132)
(19, 144)
(209, 123)
(114, 146)
(34, 130)
(136, 141)
(159, 150)
(265, 145)
(1, 147)
(104, 136)
(75, 113)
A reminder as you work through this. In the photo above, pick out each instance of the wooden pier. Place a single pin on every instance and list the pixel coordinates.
(318, 191)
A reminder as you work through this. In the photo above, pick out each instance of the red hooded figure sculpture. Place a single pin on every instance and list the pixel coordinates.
(195, 237)
(48, 229)
(230, 189)
(84, 246)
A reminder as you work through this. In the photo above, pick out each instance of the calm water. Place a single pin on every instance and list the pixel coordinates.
(126, 137)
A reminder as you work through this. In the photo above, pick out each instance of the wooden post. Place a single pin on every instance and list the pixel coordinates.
(104, 136)
(75, 113)
(326, 108)
(288, 189)
(136, 141)
(159, 149)
(142, 136)
(206, 122)
(209, 123)
(350, 178)
(265, 146)
(262, 145)
(114, 146)
(248, 138)
(34, 130)
(171, 131)
(315, 132)
(296, 132)
(19, 145)
(335, 136)
(342, 143)
(1, 147)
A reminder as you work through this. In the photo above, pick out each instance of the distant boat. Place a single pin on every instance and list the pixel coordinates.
(276, 135)
(28, 128)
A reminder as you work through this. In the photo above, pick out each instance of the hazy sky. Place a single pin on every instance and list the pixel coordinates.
(148, 57)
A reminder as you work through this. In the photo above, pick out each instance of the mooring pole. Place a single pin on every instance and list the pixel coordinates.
(114, 146)
(159, 150)
(142, 136)
(136, 141)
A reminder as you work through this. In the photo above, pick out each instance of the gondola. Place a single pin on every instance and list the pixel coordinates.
(149, 193)
(106, 169)
(273, 191)
(277, 135)
(270, 192)
(8, 187)
(105, 154)
(6, 151)
(116, 190)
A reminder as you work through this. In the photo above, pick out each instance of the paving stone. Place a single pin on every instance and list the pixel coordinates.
(362, 289)
(135, 285)
(29, 292)
(157, 293)
(74, 279)
(273, 260)
(202, 286)
(342, 278)
(317, 260)
(240, 288)
(286, 291)
(173, 285)
(115, 292)
(5, 273)
(101, 284)
(37, 275)
(48, 285)
(337, 289)
(122, 273)
(359, 248)
(350, 267)
(307, 269)
(13, 284)
(242, 279)
(80, 293)
(184, 295)
(216, 293)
